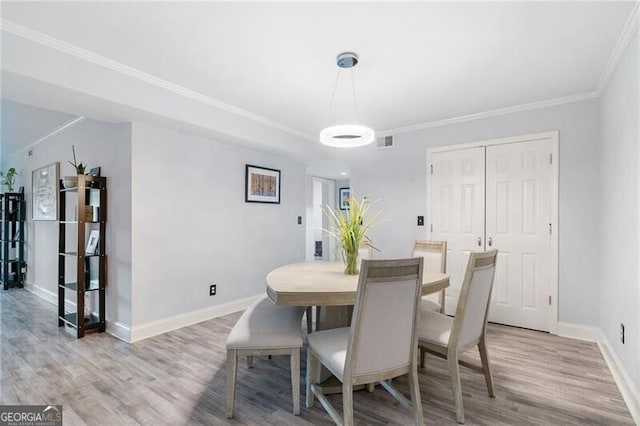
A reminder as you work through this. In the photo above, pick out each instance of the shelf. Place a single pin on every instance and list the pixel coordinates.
(93, 321)
(75, 189)
(10, 241)
(75, 254)
(74, 287)
(69, 221)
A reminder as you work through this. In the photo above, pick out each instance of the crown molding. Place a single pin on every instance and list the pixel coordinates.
(88, 56)
(491, 113)
(626, 35)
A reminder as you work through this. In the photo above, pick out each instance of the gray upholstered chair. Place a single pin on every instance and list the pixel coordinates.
(448, 337)
(381, 342)
(364, 252)
(435, 260)
(265, 329)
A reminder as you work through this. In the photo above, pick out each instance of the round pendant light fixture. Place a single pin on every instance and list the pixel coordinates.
(347, 135)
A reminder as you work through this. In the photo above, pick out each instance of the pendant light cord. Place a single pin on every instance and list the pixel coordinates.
(333, 95)
(355, 102)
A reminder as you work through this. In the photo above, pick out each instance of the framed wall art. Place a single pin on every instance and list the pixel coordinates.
(262, 185)
(44, 191)
(343, 198)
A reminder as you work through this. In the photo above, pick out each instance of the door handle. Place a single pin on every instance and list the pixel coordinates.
(490, 241)
(479, 242)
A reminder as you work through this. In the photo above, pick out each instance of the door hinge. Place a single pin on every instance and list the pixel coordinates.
(550, 230)
(549, 300)
(431, 166)
(432, 227)
(550, 158)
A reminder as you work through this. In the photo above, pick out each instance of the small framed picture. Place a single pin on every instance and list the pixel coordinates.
(262, 185)
(345, 194)
(95, 171)
(92, 242)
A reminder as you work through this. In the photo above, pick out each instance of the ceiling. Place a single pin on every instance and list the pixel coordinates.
(273, 64)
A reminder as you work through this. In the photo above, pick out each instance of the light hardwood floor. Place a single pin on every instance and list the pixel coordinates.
(179, 378)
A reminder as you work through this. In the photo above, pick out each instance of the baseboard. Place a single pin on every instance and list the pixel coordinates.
(119, 330)
(42, 293)
(579, 331)
(626, 386)
(153, 328)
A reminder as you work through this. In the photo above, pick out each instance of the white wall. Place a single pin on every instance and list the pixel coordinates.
(398, 176)
(620, 186)
(192, 227)
(97, 144)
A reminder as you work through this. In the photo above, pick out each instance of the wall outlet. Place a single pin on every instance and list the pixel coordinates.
(420, 220)
(212, 290)
(299, 220)
(622, 333)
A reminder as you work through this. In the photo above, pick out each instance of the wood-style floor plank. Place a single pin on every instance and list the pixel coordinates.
(179, 378)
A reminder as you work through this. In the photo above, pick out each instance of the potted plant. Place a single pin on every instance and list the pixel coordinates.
(350, 227)
(9, 179)
(72, 181)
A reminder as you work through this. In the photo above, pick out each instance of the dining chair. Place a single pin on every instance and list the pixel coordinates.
(265, 329)
(448, 337)
(364, 252)
(381, 342)
(435, 260)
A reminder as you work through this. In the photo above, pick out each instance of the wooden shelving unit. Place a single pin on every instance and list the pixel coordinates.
(88, 201)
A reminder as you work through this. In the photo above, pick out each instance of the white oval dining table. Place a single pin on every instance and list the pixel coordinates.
(325, 284)
(322, 283)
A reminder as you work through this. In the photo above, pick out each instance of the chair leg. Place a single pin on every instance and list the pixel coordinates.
(249, 361)
(442, 299)
(309, 319)
(416, 402)
(295, 380)
(454, 370)
(347, 403)
(423, 352)
(371, 387)
(312, 376)
(232, 368)
(486, 369)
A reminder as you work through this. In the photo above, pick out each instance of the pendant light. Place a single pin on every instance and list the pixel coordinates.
(346, 135)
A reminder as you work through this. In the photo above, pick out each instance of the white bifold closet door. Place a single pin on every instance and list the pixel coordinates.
(498, 196)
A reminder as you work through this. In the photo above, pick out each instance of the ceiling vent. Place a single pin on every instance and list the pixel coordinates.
(385, 142)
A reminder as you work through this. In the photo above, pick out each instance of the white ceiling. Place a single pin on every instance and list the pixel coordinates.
(274, 62)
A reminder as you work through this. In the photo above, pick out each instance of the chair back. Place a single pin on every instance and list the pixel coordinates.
(383, 335)
(434, 254)
(473, 305)
(364, 252)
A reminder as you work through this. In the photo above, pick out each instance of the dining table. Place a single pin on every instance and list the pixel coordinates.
(324, 284)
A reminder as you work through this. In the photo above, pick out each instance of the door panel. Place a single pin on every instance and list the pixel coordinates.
(457, 199)
(518, 214)
(504, 193)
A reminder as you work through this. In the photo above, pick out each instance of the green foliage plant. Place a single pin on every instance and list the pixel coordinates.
(9, 179)
(349, 227)
(80, 168)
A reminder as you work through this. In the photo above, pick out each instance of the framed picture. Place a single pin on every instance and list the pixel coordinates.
(44, 192)
(344, 195)
(92, 242)
(95, 171)
(262, 185)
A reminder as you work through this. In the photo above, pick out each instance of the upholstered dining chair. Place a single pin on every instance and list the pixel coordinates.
(364, 252)
(449, 337)
(435, 260)
(381, 342)
(265, 329)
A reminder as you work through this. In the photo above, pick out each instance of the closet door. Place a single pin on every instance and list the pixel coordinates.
(457, 211)
(518, 217)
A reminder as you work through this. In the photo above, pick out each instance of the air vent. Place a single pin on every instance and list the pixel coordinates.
(385, 142)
